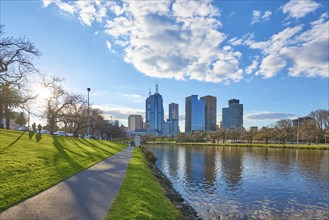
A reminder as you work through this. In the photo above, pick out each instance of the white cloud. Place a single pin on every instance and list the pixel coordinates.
(300, 8)
(250, 69)
(135, 97)
(268, 116)
(119, 112)
(166, 39)
(303, 52)
(257, 16)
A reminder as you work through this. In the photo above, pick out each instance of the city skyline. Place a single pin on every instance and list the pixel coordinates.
(273, 57)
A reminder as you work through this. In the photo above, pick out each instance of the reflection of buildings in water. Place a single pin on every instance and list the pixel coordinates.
(188, 163)
(232, 166)
(210, 166)
(194, 164)
(173, 160)
(181, 163)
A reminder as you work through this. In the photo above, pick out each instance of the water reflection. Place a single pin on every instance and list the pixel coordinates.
(239, 183)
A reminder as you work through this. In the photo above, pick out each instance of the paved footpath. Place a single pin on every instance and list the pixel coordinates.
(86, 195)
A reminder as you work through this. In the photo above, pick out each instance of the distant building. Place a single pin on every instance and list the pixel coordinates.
(210, 112)
(135, 122)
(154, 113)
(301, 120)
(116, 123)
(173, 119)
(253, 128)
(232, 117)
(194, 114)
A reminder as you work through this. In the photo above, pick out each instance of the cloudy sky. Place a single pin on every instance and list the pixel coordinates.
(271, 55)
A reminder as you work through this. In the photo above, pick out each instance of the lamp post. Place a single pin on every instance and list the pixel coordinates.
(88, 89)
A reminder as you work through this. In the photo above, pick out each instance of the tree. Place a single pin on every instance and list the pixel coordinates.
(308, 131)
(285, 129)
(321, 118)
(21, 119)
(57, 102)
(10, 98)
(16, 56)
(266, 133)
(74, 115)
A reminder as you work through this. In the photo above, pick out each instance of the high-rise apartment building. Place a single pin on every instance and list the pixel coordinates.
(135, 122)
(154, 112)
(210, 112)
(232, 117)
(194, 114)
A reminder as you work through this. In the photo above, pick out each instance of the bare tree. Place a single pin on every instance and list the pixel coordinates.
(57, 102)
(309, 131)
(266, 133)
(16, 56)
(321, 118)
(285, 130)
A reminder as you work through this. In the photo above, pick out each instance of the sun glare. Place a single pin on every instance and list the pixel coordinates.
(43, 92)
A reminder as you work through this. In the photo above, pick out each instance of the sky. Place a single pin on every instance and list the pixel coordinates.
(271, 55)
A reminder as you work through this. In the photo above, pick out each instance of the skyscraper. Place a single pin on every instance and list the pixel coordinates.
(232, 117)
(210, 112)
(135, 122)
(154, 112)
(173, 119)
(194, 114)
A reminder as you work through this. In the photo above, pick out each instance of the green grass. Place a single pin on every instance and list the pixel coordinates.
(141, 195)
(31, 163)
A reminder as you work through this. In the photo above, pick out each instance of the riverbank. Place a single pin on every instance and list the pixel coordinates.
(141, 195)
(175, 197)
(286, 146)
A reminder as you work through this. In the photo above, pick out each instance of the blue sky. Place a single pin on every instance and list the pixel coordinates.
(271, 55)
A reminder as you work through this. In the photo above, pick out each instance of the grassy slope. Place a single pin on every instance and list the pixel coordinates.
(141, 195)
(31, 163)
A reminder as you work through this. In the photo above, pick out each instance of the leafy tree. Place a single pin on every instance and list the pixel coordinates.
(21, 119)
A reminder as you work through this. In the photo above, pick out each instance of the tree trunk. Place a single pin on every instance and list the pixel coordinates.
(1, 114)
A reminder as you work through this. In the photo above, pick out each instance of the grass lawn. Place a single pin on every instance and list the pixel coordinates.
(31, 163)
(141, 195)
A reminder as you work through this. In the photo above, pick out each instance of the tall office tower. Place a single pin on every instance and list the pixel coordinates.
(154, 112)
(173, 119)
(135, 122)
(232, 117)
(194, 114)
(211, 112)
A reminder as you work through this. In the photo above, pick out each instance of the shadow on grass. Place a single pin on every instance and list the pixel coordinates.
(31, 133)
(38, 137)
(11, 144)
(95, 154)
(62, 155)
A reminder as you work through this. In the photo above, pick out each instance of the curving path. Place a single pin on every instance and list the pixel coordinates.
(86, 195)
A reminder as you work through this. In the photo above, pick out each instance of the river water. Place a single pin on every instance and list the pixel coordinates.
(248, 183)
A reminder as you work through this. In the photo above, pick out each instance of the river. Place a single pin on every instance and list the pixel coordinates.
(248, 183)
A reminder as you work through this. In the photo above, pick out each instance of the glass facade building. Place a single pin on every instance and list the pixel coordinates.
(154, 113)
(210, 112)
(232, 117)
(194, 114)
